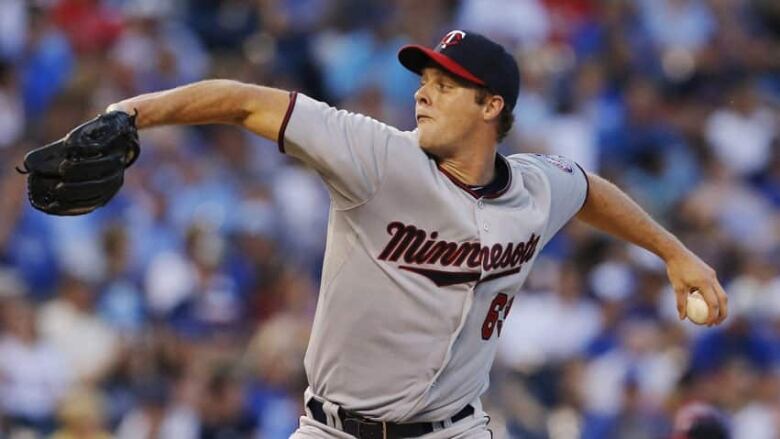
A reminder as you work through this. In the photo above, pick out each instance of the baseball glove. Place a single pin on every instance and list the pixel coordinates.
(85, 169)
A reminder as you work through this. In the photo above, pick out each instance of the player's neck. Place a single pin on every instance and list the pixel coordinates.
(473, 166)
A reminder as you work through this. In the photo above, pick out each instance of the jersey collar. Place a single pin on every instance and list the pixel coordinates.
(494, 189)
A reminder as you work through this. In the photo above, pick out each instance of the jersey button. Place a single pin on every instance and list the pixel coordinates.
(485, 227)
(480, 204)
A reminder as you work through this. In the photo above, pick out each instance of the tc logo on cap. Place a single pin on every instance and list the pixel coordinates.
(452, 38)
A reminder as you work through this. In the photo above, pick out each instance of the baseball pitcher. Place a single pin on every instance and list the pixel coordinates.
(431, 232)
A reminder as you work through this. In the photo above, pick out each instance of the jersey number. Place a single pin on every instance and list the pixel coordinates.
(499, 310)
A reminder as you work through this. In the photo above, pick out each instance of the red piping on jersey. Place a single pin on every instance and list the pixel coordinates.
(286, 120)
(457, 182)
(587, 185)
(475, 194)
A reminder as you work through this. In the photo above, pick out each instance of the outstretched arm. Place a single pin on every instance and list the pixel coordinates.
(257, 108)
(611, 210)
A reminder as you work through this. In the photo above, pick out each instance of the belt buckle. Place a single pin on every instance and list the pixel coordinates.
(364, 429)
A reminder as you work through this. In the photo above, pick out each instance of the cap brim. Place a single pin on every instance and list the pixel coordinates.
(415, 58)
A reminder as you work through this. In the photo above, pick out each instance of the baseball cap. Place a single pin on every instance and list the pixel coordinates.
(470, 56)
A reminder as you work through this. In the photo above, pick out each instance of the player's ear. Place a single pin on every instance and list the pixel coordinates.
(492, 108)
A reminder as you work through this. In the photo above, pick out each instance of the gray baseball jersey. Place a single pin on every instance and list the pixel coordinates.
(420, 270)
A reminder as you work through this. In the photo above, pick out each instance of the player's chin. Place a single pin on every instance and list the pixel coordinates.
(426, 138)
(427, 146)
(436, 151)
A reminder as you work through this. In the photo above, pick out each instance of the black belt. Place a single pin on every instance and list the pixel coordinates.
(364, 428)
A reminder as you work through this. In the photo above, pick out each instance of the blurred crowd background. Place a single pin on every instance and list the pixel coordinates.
(182, 309)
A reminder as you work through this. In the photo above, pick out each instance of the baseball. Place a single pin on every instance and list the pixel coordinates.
(696, 308)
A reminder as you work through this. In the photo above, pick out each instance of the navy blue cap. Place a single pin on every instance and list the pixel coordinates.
(470, 56)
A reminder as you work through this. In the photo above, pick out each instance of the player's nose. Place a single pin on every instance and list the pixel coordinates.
(421, 96)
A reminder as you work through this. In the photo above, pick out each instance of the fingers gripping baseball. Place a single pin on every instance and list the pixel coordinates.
(688, 274)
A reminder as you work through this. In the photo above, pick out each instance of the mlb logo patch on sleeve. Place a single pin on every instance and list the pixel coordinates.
(558, 161)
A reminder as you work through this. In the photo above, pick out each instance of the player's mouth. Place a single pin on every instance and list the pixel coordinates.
(421, 118)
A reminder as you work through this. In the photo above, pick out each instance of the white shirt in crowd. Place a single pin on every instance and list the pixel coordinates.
(88, 343)
(33, 378)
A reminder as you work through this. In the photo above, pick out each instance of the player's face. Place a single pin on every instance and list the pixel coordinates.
(446, 110)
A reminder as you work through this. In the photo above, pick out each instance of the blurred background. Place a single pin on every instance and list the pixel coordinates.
(182, 309)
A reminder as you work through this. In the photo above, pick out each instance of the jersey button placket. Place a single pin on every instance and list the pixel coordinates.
(482, 223)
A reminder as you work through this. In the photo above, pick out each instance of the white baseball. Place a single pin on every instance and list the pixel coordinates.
(697, 308)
